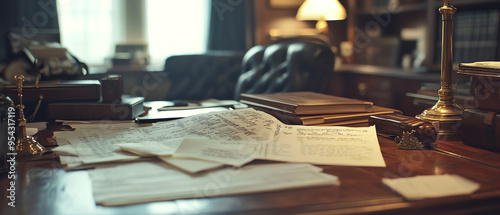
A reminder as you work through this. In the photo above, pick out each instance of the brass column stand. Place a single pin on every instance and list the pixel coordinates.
(25, 145)
(445, 112)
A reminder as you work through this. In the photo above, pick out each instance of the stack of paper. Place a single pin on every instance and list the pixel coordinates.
(155, 181)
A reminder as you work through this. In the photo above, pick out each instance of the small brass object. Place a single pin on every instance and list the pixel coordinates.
(25, 145)
(445, 111)
(409, 141)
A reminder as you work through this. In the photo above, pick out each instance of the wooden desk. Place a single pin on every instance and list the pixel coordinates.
(42, 187)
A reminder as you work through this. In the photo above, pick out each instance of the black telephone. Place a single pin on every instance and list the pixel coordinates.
(43, 61)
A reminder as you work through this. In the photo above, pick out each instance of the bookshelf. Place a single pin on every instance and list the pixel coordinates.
(407, 33)
(476, 33)
(384, 29)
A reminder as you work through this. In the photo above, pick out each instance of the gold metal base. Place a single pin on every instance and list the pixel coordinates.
(448, 117)
(28, 146)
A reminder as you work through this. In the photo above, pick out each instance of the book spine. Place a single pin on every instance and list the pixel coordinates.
(289, 108)
(257, 104)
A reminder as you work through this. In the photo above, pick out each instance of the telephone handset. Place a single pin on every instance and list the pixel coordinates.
(45, 63)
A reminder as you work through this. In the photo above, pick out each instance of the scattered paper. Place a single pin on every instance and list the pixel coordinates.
(270, 139)
(96, 144)
(431, 186)
(141, 182)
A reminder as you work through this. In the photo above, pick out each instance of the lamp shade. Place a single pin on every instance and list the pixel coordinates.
(321, 10)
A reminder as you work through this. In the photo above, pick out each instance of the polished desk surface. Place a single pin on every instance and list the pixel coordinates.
(42, 187)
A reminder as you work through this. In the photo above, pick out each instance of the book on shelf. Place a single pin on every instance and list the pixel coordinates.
(475, 36)
(306, 103)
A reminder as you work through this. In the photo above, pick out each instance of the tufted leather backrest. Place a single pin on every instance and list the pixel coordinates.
(203, 76)
(285, 67)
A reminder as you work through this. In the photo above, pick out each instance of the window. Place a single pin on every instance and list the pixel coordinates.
(87, 29)
(177, 27)
(90, 29)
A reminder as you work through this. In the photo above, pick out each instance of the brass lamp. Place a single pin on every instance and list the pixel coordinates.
(321, 10)
(445, 112)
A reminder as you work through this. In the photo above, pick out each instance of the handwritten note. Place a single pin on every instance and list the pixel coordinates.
(351, 146)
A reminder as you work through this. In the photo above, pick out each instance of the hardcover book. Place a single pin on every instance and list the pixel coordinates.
(129, 108)
(306, 103)
(89, 90)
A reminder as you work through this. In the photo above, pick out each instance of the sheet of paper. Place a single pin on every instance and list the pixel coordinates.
(37, 125)
(155, 181)
(331, 145)
(191, 165)
(232, 153)
(31, 131)
(166, 147)
(97, 145)
(65, 159)
(431, 186)
(65, 150)
(87, 166)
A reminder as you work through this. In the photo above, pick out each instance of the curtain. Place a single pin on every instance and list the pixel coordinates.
(231, 25)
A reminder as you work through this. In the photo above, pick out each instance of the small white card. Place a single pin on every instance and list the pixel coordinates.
(431, 186)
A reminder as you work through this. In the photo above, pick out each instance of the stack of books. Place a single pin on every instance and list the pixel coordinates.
(481, 117)
(309, 108)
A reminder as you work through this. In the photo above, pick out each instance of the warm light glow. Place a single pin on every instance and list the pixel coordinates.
(321, 9)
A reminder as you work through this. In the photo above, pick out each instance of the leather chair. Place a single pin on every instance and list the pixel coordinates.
(203, 76)
(292, 65)
(286, 67)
